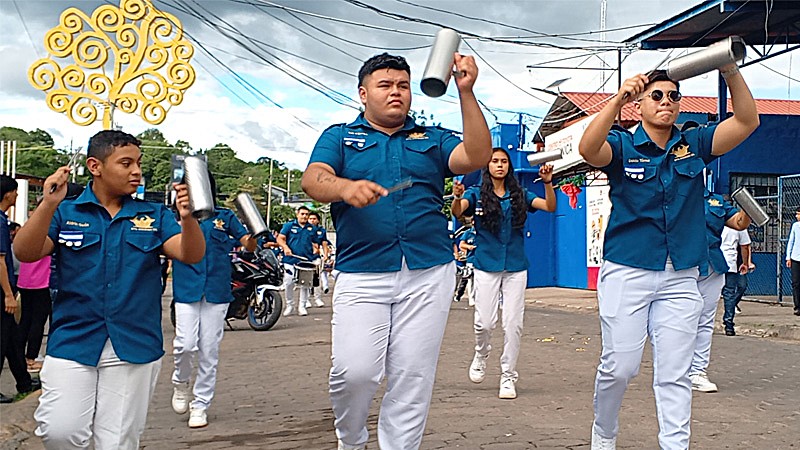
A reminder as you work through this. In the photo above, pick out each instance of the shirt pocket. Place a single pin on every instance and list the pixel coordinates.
(79, 252)
(141, 250)
(358, 162)
(220, 241)
(421, 157)
(690, 168)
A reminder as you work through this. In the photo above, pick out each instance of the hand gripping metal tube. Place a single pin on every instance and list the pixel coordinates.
(715, 56)
(439, 68)
(201, 200)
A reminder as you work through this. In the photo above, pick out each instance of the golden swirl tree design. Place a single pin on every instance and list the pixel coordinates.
(132, 58)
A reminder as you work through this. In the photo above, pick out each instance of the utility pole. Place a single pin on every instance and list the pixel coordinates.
(288, 184)
(269, 195)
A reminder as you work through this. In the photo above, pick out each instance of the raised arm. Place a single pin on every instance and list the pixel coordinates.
(548, 203)
(460, 204)
(734, 130)
(476, 150)
(593, 146)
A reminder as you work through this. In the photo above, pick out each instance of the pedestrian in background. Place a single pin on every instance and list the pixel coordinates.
(9, 348)
(34, 288)
(793, 260)
(736, 248)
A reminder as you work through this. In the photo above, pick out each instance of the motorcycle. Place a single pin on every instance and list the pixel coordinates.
(256, 282)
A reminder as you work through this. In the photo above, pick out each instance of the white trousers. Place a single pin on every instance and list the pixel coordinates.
(290, 285)
(199, 328)
(106, 404)
(489, 288)
(635, 303)
(388, 324)
(710, 288)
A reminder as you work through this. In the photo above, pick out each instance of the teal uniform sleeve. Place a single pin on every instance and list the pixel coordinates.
(471, 196)
(169, 226)
(529, 198)
(235, 227)
(448, 143)
(328, 149)
(55, 227)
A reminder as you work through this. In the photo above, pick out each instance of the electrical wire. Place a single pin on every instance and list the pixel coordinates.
(514, 27)
(25, 26)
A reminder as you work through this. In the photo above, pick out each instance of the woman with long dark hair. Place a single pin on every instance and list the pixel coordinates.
(500, 207)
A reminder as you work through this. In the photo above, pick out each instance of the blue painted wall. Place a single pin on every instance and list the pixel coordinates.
(773, 149)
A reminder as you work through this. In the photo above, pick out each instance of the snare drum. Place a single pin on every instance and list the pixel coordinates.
(304, 273)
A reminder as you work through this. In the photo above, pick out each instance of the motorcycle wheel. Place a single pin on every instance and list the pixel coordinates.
(264, 316)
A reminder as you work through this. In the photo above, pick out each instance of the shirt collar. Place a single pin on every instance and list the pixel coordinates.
(640, 136)
(361, 122)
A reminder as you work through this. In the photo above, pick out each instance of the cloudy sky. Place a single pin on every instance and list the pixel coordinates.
(277, 48)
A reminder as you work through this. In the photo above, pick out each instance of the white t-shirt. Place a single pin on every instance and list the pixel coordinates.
(731, 240)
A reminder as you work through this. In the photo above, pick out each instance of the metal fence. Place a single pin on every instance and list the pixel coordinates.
(788, 202)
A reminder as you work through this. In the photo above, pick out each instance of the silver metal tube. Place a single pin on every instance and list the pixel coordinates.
(719, 54)
(201, 199)
(750, 206)
(439, 68)
(537, 158)
(250, 215)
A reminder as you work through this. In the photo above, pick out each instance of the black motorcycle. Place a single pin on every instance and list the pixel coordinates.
(256, 282)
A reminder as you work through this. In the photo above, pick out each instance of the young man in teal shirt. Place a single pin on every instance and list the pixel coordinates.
(105, 343)
(655, 244)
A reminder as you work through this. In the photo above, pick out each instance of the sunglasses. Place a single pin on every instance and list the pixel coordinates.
(657, 95)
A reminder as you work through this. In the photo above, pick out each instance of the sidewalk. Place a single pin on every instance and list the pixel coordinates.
(756, 319)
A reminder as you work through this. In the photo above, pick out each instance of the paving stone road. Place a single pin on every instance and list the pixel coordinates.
(272, 392)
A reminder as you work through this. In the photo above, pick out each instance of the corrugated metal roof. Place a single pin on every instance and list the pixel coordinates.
(594, 102)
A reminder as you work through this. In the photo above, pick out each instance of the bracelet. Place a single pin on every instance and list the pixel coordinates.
(730, 72)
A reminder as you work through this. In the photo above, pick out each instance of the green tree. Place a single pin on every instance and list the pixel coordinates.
(157, 158)
(35, 153)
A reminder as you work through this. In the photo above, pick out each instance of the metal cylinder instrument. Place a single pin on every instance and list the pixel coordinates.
(250, 215)
(201, 199)
(537, 158)
(439, 68)
(717, 55)
(750, 206)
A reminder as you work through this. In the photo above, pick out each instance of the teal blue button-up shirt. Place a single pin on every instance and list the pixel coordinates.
(408, 224)
(110, 279)
(211, 277)
(657, 198)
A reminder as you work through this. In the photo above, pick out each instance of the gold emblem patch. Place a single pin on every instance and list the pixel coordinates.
(681, 152)
(416, 136)
(714, 202)
(219, 224)
(143, 223)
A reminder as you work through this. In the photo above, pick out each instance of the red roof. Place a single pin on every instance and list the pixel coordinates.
(593, 102)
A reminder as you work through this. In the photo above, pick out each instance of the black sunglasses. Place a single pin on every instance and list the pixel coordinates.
(658, 94)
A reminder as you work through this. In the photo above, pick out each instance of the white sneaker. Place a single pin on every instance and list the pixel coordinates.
(319, 303)
(302, 311)
(342, 446)
(288, 311)
(198, 418)
(180, 397)
(701, 383)
(306, 305)
(508, 390)
(601, 443)
(477, 370)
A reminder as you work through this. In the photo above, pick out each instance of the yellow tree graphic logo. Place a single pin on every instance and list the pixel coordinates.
(132, 58)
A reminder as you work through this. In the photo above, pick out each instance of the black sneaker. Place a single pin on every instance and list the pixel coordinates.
(6, 399)
(797, 312)
(730, 332)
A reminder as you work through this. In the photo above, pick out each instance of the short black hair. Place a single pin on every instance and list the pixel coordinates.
(660, 75)
(315, 214)
(382, 61)
(13, 226)
(7, 184)
(102, 144)
(301, 207)
(798, 209)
